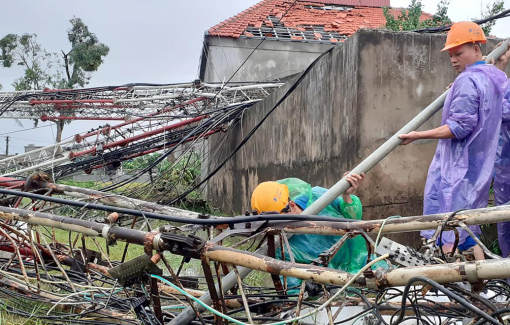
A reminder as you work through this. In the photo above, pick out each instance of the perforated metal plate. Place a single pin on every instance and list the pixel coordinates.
(130, 272)
(400, 254)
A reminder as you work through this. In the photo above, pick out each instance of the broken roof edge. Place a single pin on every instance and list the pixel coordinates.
(258, 15)
(238, 16)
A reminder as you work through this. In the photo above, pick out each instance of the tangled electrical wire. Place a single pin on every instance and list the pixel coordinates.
(69, 278)
(439, 29)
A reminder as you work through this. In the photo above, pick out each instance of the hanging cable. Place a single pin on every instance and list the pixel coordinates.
(255, 128)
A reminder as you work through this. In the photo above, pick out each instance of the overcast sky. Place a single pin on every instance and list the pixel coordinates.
(150, 41)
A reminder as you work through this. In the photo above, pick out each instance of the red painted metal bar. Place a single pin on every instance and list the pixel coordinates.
(22, 250)
(159, 149)
(69, 101)
(45, 118)
(75, 106)
(78, 138)
(11, 182)
(144, 135)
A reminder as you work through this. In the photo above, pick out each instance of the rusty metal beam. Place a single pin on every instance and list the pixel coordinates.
(277, 267)
(397, 225)
(88, 228)
(444, 273)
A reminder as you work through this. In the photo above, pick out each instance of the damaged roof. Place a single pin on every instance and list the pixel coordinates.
(311, 20)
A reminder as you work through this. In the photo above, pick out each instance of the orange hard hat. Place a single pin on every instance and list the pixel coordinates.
(464, 32)
(270, 196)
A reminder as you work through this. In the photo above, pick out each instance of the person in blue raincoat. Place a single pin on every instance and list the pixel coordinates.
(293, 195)
(460, 174)
(502, 165)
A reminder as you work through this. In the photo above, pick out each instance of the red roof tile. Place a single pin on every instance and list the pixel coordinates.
(361, 3)
(344, 22)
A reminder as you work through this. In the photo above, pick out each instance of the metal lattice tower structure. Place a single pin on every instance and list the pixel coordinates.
(124, 102)
(154, 118)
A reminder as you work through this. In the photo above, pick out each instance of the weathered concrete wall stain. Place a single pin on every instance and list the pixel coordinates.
(273, 59)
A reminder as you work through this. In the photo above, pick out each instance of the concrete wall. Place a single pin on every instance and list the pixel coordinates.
(351, 102)
(221, 56)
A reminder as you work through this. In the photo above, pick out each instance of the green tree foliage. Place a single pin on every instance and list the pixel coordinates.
(490, 9)
(142, 162)
(409, 18)
(26, 52)
(84, 57)
(440, 18)
(43, 69)
(181, 173)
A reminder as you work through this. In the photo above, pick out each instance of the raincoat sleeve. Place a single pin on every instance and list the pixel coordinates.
(506, 104)
(349, 210)
(463, 115)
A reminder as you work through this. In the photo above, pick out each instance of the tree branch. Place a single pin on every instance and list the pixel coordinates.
(66, 65)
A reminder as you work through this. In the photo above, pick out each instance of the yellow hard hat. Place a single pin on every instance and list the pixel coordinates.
(270, 196)
(464, 32)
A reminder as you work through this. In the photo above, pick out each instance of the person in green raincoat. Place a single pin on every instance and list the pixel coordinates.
(292, 195)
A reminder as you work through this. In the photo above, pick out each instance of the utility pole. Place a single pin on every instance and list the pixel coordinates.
(7, 145)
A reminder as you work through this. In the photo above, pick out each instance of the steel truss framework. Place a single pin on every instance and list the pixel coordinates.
(156, 118)
(125, 102)
(81, 273)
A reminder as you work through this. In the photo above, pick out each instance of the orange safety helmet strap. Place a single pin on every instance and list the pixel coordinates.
(270, 196)
(464, 32)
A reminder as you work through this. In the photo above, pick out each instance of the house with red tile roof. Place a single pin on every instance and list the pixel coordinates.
(294, 34)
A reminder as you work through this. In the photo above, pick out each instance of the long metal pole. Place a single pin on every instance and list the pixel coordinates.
(118, 200)
(398, 225)
(230, 279)
(47, 148)
(54, 162)
(389, 145)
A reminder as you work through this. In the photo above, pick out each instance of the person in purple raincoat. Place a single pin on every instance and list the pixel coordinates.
(502, 166)
(461, 171)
